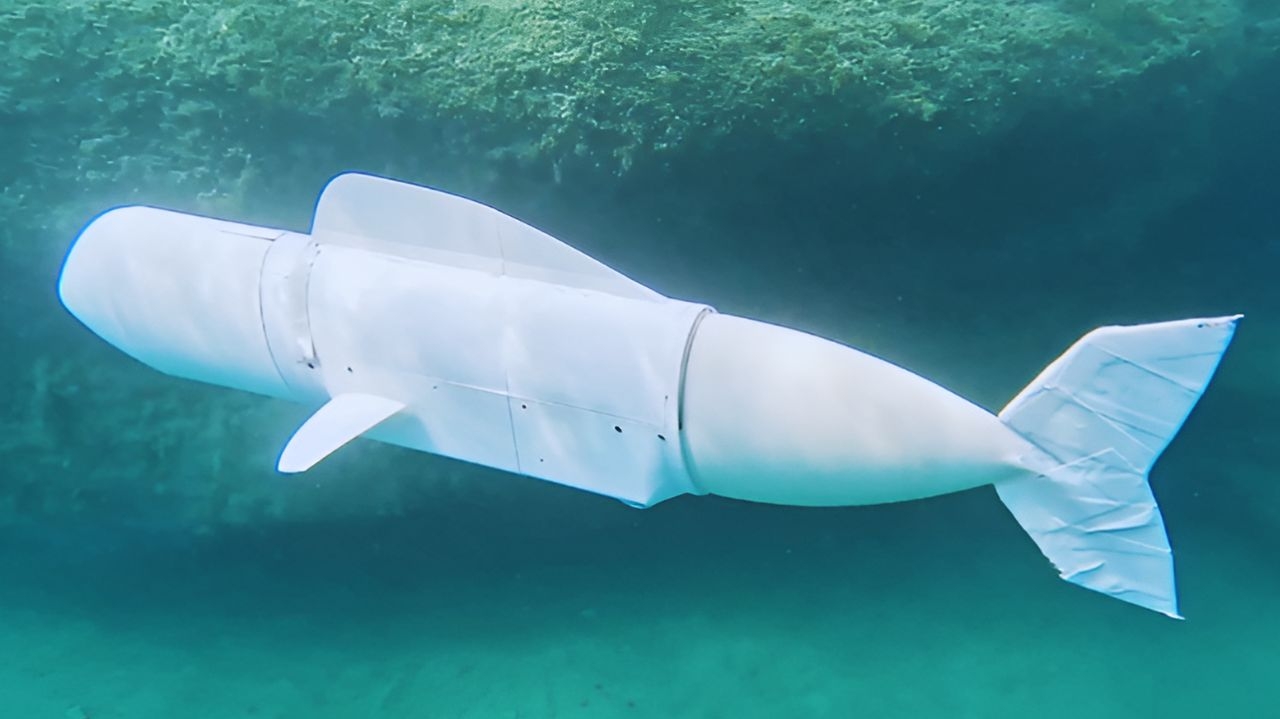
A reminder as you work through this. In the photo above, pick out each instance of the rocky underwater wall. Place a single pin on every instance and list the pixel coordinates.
(826, 164)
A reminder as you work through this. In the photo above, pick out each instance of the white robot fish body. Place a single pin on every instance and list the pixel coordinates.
(436, 323)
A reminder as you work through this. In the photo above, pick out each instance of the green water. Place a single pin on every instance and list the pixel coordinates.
(152, 565)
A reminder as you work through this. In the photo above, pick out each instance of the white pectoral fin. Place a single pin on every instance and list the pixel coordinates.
(339, 421)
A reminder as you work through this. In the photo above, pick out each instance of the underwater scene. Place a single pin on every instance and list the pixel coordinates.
(962, 188)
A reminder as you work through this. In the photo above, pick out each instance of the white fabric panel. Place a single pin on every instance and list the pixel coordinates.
(428, 335)
(597, 340)
(594, 380)
(441, 418)
(569, 385)
(636, 462)
(406, 316)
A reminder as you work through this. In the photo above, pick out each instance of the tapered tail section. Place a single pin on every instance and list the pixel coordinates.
(1102, 413)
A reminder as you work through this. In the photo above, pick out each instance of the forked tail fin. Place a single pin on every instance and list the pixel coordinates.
(1102, 413)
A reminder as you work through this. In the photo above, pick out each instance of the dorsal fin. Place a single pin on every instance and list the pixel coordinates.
(368, 211)
(339, 421)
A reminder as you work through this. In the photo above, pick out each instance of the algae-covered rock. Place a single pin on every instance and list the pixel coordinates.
(206, 98)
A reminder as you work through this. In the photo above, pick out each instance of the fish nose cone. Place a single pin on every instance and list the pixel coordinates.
(178, 292)
(82, 286)
(776, 415)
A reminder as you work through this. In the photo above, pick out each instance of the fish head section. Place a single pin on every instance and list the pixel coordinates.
(178, 292)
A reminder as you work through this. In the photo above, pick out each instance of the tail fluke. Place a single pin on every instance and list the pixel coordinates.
(1102, 413)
